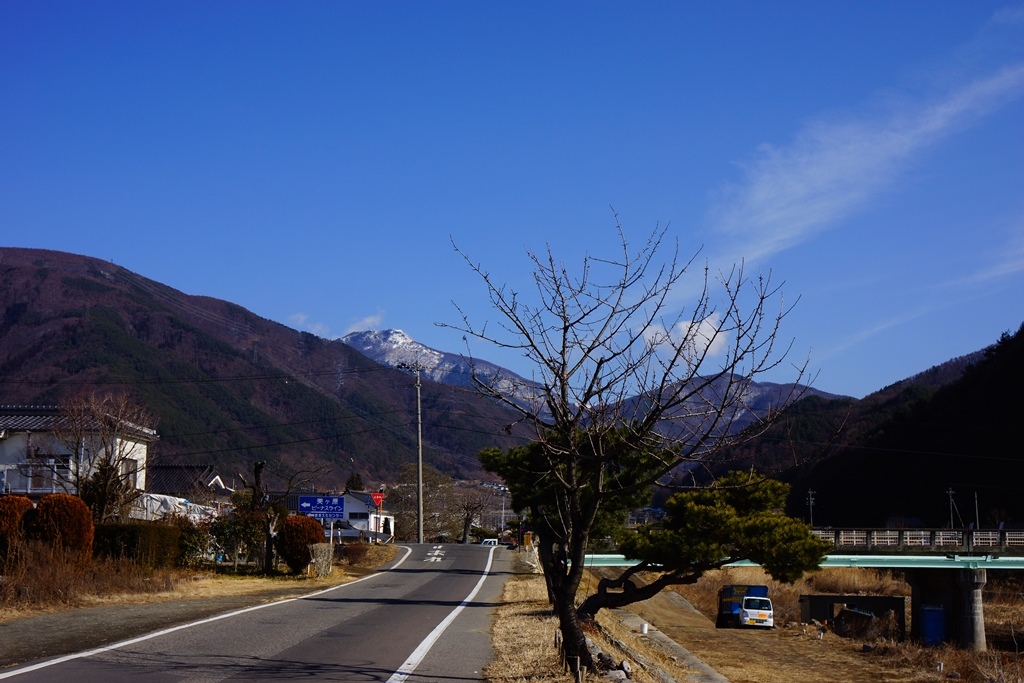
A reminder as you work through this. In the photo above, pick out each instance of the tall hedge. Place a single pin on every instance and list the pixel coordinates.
(294, 539)
(63, 520)
(152, 545)
(12, 511)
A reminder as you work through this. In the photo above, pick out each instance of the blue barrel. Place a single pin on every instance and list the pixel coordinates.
(933, 626)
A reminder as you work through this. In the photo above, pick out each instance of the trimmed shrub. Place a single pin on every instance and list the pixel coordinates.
(12, 510)
(63, 520)
(150, 545)
(294, 539)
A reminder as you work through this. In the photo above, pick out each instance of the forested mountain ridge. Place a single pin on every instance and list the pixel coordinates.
(895, 455)
(226, 386)
(952, 457)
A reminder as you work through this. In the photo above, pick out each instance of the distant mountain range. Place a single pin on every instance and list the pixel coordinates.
(396, 349)
(228, 388)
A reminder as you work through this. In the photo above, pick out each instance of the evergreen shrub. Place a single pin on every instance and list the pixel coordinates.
(194, 543)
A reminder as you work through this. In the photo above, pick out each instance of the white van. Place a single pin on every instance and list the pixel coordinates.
(489, 541)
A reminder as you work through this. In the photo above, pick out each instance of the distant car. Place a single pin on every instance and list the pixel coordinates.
(489, 541)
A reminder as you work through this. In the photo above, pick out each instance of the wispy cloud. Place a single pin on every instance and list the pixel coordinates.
(834, 167)
(873, 330)
(302, 322)
(1013, 15)
(370, 322)
(1006, 262)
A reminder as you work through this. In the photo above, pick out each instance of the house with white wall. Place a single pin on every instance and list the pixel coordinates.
(34, 462)
(361, 520)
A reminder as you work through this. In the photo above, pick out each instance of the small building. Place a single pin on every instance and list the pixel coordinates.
(361, 519)
(35, 462)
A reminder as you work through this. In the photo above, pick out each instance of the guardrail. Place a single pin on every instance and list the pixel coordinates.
(944, 541)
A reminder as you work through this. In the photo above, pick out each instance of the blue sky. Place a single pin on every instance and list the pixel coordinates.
(314, 161)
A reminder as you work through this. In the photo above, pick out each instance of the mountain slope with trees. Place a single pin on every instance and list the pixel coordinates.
(949, 456)
(894, 455)
(226, 386)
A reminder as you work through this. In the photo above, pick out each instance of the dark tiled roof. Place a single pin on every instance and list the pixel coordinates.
(174, 480)
(46, 418)
(29, 418)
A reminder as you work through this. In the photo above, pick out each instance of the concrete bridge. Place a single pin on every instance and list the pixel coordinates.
(946, 569)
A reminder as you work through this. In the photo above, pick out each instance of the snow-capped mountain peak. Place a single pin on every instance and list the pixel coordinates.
(395, 348)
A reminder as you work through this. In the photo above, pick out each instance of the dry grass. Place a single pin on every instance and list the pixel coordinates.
(1004, 622)
(523, 637)
(374, 556)
(38, 577)
(41, 579)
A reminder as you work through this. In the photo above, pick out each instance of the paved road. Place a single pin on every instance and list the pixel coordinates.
(425, 619)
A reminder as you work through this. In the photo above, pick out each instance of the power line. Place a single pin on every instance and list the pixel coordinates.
(277, 425)
(195, 380)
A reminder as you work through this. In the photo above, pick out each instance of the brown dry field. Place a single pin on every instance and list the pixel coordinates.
(781, 655)
(524, 634)
(221, 585)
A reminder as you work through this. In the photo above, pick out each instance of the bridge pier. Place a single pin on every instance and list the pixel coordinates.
(972, 618)
(956, 595)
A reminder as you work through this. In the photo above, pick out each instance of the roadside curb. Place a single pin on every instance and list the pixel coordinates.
(702, 672)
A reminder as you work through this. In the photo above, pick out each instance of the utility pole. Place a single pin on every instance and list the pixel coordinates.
(810, 504)
(419, 448)
(950, 493)
(419, 460)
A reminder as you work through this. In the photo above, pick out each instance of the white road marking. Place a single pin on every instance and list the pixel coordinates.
(125, 643)
(417, 656)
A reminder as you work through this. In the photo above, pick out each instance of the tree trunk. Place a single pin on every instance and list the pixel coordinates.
(574, 641)
(270, 530)
(562, 585)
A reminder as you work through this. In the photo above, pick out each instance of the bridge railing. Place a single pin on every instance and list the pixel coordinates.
(980, 541)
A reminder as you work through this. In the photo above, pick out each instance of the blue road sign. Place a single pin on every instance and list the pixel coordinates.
(322, 507)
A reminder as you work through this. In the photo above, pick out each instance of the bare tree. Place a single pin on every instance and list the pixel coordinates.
(470, 503)
(107, 437)
(628, 387)
(269, 507)
(440, 515)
